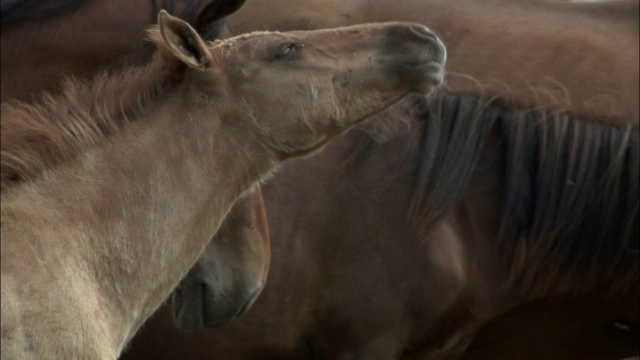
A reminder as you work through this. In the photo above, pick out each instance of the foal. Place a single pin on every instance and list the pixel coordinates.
(154, 158)
(33, 62)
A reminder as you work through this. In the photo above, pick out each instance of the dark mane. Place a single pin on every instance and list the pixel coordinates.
(39, 136)
(571, 201)
(570, 195)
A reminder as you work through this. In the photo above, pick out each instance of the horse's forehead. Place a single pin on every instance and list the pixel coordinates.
(252, 39)
(247, 46)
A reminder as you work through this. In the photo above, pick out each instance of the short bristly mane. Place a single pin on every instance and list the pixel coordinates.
(570, 192)
(55, 129)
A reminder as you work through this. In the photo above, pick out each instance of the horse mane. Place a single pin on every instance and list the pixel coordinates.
(570, 202)
(570, 191)
(36, 137)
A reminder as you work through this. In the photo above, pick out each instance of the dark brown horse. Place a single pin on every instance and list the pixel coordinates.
(68, 31)
(485, 229)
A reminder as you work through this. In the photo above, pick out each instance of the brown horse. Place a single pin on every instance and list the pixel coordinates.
(236, 278)
(526, 90)
(520, 244)
(156, 156)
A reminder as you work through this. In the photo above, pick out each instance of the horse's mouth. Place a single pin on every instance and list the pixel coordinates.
(431, 72)
(431, 63)
(435, 69)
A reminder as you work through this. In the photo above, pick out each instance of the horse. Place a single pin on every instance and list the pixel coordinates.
(232, 280)
(157, 155)
(447, 239)
(600, 100)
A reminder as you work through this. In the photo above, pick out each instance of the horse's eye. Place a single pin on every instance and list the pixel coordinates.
(288, 49)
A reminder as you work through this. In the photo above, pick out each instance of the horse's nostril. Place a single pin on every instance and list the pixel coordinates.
(439, 51)
(423, 32)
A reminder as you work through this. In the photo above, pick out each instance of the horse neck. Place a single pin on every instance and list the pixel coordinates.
(142, 206)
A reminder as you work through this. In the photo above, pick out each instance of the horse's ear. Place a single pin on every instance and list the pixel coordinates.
(184, 42)
(216, 11)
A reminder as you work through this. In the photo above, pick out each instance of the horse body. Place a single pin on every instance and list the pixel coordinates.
(448, 282)
(158, 155)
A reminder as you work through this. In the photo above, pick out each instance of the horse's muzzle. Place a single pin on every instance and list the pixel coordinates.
(438, 50)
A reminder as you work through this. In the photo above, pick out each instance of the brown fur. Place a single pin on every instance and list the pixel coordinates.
(89, 113)
(38, 53)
